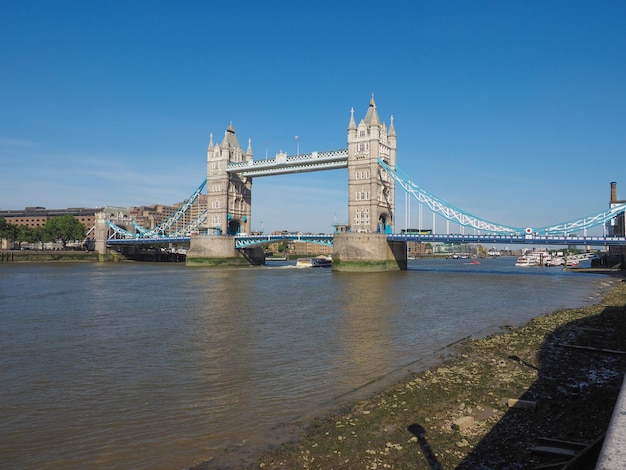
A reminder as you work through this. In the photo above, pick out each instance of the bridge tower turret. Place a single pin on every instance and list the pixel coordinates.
(371, 201)
(229, 195)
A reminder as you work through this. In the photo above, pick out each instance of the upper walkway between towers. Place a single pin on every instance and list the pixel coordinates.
(283, 163)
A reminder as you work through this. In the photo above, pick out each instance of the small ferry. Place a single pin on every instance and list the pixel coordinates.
(321, 261)
(533, 258)
(526, 261)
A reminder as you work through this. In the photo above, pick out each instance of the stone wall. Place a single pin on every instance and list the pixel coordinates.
(367, 252)
(220, 251)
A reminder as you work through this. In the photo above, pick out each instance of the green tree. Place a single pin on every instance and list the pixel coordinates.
(64, 228)
(41, 235)
(8, 231)
(25, 235)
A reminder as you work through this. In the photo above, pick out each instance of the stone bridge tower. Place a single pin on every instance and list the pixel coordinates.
(371, 203)
(229, 196)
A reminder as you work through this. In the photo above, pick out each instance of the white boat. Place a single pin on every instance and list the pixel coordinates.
(555, 261)
(543, 258)
(321, 261)
(526, 261)
(533, 258)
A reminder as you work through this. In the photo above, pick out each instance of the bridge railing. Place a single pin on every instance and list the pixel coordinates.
(514, 239)
(244, 241)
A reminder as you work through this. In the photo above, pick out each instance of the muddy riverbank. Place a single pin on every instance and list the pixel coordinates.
(497, 402)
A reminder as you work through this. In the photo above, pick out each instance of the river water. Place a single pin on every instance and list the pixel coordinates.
(160, 366)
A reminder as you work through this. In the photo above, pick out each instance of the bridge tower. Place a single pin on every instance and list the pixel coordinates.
(229, 202)
(371, 202)
(229, 195)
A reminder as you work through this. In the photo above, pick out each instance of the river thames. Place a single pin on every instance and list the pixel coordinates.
(162, 366)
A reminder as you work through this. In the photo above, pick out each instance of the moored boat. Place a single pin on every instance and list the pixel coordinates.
(526, 261)
(533, 258)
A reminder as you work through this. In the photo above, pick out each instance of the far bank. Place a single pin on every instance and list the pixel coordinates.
(56, 256)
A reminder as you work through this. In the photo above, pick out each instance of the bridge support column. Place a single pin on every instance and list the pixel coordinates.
(101, 232)
(367, 252)
(220, 251)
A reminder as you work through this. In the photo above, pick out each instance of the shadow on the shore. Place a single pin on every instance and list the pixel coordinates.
(559, 422)
(420, 433)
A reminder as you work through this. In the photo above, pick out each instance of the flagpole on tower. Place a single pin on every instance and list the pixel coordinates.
(297, 145)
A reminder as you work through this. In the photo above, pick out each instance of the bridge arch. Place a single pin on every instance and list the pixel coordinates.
(234, 227)
(383, 223)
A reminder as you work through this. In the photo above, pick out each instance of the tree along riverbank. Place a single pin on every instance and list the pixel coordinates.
(514, 400)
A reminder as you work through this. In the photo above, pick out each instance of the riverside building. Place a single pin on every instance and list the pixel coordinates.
(34, 217)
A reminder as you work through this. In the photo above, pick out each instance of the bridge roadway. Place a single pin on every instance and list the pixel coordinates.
(243, 241)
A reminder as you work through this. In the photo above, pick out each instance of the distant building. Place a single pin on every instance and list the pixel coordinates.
(151, 216)
(34, 217)
(309, 248)
(617, 226)
(416, 249)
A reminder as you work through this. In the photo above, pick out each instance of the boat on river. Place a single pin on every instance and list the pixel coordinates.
(526, 261)
(321, 261)
(534, 258)
(543, 258)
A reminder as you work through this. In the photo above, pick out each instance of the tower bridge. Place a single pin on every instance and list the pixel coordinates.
(218, 233)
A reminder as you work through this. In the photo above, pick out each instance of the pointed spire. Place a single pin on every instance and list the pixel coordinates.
(230, 139)
(249, 151)
(371, 117)
(211, 146)
(392, 130)
(352, 123)
(375, 120)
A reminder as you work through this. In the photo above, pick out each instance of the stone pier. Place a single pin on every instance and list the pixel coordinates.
(367, 252)
(220, 251)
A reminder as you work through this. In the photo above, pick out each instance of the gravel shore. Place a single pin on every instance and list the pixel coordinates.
(527, 397)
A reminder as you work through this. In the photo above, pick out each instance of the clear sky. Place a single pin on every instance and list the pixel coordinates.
(514, 111)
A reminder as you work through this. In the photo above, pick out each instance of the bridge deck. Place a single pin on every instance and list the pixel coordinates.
(327, 239)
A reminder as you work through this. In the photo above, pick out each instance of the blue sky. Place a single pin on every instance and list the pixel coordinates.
(514, 111)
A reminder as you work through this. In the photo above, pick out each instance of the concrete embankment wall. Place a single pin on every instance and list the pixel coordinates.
(613, 453)
(27, 256)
